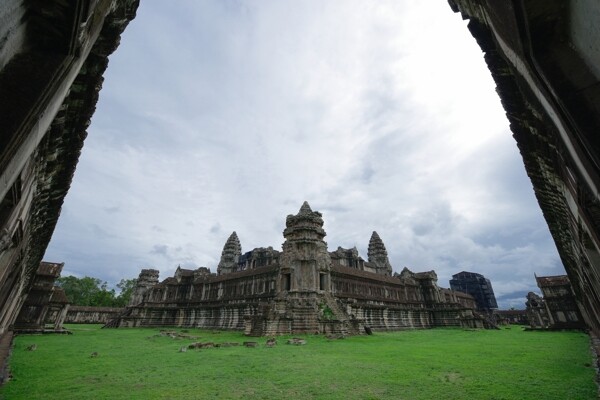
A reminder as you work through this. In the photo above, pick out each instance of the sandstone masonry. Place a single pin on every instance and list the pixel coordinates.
(302, 289)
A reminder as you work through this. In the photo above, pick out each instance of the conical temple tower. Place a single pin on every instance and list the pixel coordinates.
(378, 257)
(230, 255)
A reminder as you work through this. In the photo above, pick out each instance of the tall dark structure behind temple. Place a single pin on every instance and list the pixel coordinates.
(477, 286)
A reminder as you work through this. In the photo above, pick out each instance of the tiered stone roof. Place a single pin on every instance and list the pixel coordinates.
(230, 254)
(378, 256)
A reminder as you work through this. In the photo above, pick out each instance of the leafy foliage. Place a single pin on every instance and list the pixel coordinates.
(126, 287)
(89, 291)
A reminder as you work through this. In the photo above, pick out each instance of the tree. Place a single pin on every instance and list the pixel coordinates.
(104, 297)
(126, 287)
(87, 291)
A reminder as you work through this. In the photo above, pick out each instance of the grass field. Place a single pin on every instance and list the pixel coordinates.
(421, 364)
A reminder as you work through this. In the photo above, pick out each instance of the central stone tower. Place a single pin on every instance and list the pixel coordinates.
(304, 302)
(306, 264)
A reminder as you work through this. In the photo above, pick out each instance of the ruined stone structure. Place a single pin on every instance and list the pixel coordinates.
(560, 308)
(302, 289)
(545, 59)
(52, 57)
(45, 306)
(58, 309)
(477, 286)
(537, 312)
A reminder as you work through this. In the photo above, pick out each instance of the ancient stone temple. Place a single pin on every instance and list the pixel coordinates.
(303, 288)
(537, 313)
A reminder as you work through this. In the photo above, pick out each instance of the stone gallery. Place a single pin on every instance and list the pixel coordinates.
(302, 289)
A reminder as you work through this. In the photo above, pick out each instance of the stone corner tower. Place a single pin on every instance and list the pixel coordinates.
(378, 256)
(146, 280)
(305, 262)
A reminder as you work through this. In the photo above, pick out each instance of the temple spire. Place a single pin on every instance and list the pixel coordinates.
(378, 255)
(230, 255)
(305, 208)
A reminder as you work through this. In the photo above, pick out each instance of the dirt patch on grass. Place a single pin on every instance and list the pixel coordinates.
(452, 377)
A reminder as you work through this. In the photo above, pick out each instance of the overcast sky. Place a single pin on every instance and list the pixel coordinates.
(219, 115)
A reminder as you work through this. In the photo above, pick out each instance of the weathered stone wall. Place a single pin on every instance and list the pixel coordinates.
(209, 301)
(545, 67)
(356, 284)
(52, 57)
(537, 312)
(43, 300)
(393, 303)
(12, 29)
(464, 299)
(559, 302)
(91, 315)
(357, 299)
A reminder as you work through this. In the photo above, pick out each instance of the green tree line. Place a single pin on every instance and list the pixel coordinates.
(89, 291)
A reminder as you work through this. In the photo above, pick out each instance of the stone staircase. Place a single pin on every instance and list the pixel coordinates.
(304, 317)
(338, 322)
(333, 305)
(116, 322)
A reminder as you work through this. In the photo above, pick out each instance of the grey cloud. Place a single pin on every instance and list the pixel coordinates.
(423, 227)
(188, 265)
(160, 249)
(215, 229)
(367, 174)
(100, 231)
(437, 217)
(515, 299)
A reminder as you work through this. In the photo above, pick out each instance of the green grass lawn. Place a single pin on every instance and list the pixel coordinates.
(419, 364)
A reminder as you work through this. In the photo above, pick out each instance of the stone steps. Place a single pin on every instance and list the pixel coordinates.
(304, 319)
